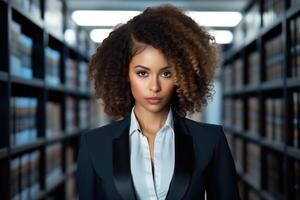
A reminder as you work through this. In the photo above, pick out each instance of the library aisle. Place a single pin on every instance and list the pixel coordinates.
(47, 100)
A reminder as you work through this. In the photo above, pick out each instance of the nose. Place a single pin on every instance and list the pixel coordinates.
(154, 84)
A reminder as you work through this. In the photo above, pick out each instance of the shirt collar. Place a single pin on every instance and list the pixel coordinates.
(134, 125)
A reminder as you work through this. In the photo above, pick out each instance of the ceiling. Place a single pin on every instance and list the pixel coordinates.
(195, 5)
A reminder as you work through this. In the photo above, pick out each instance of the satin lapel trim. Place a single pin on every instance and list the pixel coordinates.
(121, 163)
(184, 162)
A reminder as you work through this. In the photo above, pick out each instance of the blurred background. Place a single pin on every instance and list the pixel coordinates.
(47, 101)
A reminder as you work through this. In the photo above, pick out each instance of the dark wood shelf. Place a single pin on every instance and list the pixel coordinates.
(263, 31)
(255, 138)
(58, 183)
(271, 46)
(56, 88)
(55, 36)
(43, 95)
(272, 85)
(270, 27)
(34, 82)
(292, 11)
(293, 82)
(61, 138)
(35, 21)
(293, 152)
(262, 193)
(27, 147)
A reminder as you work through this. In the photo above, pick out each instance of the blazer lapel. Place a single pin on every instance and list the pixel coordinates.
(121, 162)
(184, 161)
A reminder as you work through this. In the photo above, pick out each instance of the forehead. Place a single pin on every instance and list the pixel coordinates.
(149, 57)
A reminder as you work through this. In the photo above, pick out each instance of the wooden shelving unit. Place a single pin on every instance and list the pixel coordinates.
(261, 112)
(23, 166)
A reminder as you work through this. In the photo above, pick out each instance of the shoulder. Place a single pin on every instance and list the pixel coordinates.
(195, 127)
(101, 134)
(204, 132)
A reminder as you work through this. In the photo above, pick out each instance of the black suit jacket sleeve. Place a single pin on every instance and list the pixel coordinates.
(86, 177)
(222, 178)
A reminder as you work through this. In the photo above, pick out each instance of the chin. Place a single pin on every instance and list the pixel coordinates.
(155, 108)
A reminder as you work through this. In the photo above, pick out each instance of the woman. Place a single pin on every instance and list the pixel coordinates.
(149, 73)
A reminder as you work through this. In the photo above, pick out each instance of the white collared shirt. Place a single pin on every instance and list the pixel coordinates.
(147, 187)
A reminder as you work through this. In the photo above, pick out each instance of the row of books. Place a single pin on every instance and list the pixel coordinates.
(233, 119)
(52, 65)
(294, 46)
(53, 164)
(53, 119)
(23, 120)
(71, 158)
(296, 120)
(227, 78)
(236, 147)
(29, 6)
(73, 69)
(274, 174)
(71, 122)
(253, 68)
(253, 114)
(272, 10)
(274, 58)
(272, 162)
(83, 76)
(71, 74)
(253, 164)
(71, 189)
(20, 52)
(83, 114)
(25, 176)
(274, 119)
(238, 74)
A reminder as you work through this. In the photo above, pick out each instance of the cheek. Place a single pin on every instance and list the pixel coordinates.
(136, 86)
(169, 89)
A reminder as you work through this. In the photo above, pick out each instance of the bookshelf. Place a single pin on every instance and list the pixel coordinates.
(261, 84)
(46, 99)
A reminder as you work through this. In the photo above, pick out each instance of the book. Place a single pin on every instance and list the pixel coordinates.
(53, 120)
(52, 66)
(53, 164)
(24, 111)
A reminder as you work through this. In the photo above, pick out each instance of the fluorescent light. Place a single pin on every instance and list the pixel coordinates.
(215, 19)
(102, 17)
(222, 36)
(114, 17)
(98, 35)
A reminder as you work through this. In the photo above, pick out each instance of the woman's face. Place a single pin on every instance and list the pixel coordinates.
(151, 76)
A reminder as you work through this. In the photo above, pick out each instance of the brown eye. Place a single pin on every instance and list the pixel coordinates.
(167, 74)
(142, 73)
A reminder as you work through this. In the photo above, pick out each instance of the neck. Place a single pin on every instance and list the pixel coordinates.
(151, 122)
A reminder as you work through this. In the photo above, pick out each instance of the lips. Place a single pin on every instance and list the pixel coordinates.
(154, 100)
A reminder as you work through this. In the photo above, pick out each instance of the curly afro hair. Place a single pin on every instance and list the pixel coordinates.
(185, 44)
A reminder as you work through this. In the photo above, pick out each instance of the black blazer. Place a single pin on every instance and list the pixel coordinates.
(203, 161)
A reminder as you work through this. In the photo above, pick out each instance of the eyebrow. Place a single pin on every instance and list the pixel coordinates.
(149, 68)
